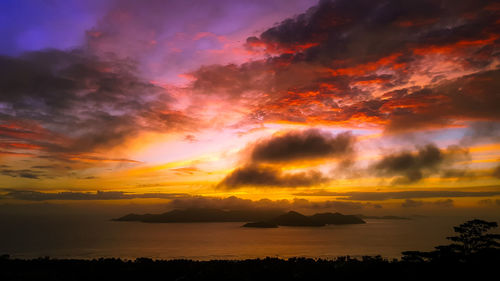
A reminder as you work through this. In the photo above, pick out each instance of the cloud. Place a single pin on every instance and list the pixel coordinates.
(69, 195)
(235, 203)
(186, 170)
(409, 203)
(185, 201)
(393, 65)
(411, 166)
(496, 172)
(231, 81)
(444, 203)
(302, 145)
(178, 36)
(72, 102)
(381, 66)
(22, 173)
(229, 203)
(413, 194)
(264, 176)
(340, 30)
(482, 131)
(467, 98)
(489, 202)
(268, 156)
(190, 138)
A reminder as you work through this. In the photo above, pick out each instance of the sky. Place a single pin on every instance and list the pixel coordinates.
(357, 106)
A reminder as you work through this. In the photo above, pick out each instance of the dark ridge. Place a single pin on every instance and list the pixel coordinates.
(336, 218)
(295, 219)
(260, 224)
(259, 218)
(204, 215)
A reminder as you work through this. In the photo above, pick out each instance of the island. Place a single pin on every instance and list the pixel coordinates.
(260, 224)
(317, 220)
(204, 215)
(257, 218)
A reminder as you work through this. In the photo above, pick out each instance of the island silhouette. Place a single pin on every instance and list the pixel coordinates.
(258, 218)
(296, 219)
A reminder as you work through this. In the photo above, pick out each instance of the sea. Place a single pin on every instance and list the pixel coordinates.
(88, 238)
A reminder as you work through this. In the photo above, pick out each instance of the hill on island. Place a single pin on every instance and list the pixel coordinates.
(296, 219)
(257, 217)
(336, 218)
(204, 215)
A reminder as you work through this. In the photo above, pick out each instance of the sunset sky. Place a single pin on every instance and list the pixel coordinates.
(358, 106)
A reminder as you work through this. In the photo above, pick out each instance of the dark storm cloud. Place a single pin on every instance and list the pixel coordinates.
(99, 195)
(264, 176)
(415, 194)
(285, 149)
(411, 166)
(472, 97)
(72, 102)
(482, 131)
(409, 203)
(321, 62)
(23, 173)
(303, 145)
(361, 30)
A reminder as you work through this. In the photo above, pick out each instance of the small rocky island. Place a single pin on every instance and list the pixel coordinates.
(317, 220)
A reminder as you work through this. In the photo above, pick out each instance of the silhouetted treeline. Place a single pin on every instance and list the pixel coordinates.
(474, 255)
(343, 268)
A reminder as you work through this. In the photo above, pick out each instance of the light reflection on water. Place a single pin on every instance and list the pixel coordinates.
(129, 240)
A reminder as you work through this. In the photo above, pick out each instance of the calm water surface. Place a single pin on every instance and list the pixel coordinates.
(92, 238)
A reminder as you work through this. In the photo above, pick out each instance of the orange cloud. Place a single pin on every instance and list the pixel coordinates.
(363, 69)
(454, 48)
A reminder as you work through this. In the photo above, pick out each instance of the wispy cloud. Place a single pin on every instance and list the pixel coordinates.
(70, 195)
(412, 194)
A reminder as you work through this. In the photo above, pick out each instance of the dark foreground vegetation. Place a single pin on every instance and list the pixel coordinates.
(474, 255)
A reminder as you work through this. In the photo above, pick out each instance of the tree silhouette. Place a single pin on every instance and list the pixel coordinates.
(472, 240)
(472, 237)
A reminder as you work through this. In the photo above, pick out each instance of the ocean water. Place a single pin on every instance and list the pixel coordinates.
(95, 238)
